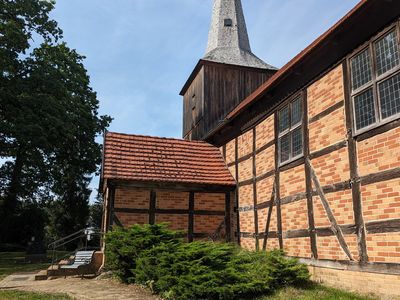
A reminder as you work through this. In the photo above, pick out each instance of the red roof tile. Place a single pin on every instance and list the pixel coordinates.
(145, 158)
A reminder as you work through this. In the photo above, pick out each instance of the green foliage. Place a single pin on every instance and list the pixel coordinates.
(198, 270)
(124, 245)
(28, 222)
(21, 295)
(96, 212)
(48, 119)
(312, 291)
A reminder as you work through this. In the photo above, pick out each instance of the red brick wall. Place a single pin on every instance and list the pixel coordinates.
(294, 216)
(131, 198)
(209, 201)
(176, 222)
(380, 152)
(135, 198)
(207, 224)
(341, 204)
(128, 219)
(265, 132)
(380, 201)
(172, 200)
(292, 181)
(333, 167)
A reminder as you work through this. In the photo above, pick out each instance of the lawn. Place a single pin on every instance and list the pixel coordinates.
(17, 295)
(314, 292)
(13, 262)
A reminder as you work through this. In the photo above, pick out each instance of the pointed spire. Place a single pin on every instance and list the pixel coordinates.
(228, 41)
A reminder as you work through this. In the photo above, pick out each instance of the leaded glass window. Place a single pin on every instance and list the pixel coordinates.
(290, 131)
(389, 92)
(375, 79)
(387, 53)
(361, 69)
(364, 109)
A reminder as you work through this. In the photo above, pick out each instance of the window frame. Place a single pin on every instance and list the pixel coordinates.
(375, 81)
(291, 128)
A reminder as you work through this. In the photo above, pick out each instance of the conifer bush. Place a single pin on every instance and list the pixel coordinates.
(198, 270)
(124, 245)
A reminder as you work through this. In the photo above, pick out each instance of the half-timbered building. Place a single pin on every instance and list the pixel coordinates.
(313, 147)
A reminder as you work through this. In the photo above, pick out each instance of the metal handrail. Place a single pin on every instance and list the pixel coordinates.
(70, 238)
(66, 237)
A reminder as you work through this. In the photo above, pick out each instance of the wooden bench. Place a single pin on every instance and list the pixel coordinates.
(81, 263)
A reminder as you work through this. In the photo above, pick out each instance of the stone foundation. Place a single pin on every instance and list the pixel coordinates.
(383, 285)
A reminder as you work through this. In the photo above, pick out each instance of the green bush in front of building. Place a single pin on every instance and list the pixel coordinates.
(157, 257)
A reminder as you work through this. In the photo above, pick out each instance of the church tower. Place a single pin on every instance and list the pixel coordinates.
(225, 76)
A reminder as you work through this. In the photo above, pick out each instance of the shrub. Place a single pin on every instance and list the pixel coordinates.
(198, 270)
(204, 270)
(124, 246)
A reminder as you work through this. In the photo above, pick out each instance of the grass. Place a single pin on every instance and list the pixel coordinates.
(13, 262)
(17, 295)
(314, 291)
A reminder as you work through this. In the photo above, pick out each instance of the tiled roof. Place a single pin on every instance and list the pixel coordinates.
(155, 159)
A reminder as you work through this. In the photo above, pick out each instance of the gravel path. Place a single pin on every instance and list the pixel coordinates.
(77, 288)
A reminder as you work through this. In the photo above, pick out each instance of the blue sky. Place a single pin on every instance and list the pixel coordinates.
(140, 52)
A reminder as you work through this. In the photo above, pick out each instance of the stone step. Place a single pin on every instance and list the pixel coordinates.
(42, 275)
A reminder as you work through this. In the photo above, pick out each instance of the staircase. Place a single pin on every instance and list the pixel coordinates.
(58, 260)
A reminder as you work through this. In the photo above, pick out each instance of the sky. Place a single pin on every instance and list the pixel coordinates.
(139, 53)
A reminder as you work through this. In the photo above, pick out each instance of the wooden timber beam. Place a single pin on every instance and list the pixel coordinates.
(228, 217)
(237, 191)
(191, 217)
(309, 190)
(268, 222)
(183, 187)
(112, 204)
(277, 182)
(355, 182)
(254, 171)
(335, 227)
(170, 211)
(152, 207)
(373, 227)
(117, 221)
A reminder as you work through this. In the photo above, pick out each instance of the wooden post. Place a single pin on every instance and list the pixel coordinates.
(277, 183)
(255, 190)
(152, 208)
(334, 225)
(224, 152)
(271, 205)
(111, 207)
(354, 176)
(309, 192)
(237, 191)
(228, 216)
(191, 217)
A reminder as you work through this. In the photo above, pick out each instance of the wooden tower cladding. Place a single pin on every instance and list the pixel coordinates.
(226, 75)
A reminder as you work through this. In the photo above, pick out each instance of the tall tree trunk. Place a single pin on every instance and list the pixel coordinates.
(11, 199)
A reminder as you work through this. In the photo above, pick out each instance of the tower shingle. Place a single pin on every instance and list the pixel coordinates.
(228, 41)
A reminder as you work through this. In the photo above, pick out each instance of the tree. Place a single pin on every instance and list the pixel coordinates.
(19, 21)
(96, 213)
(48, 117)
